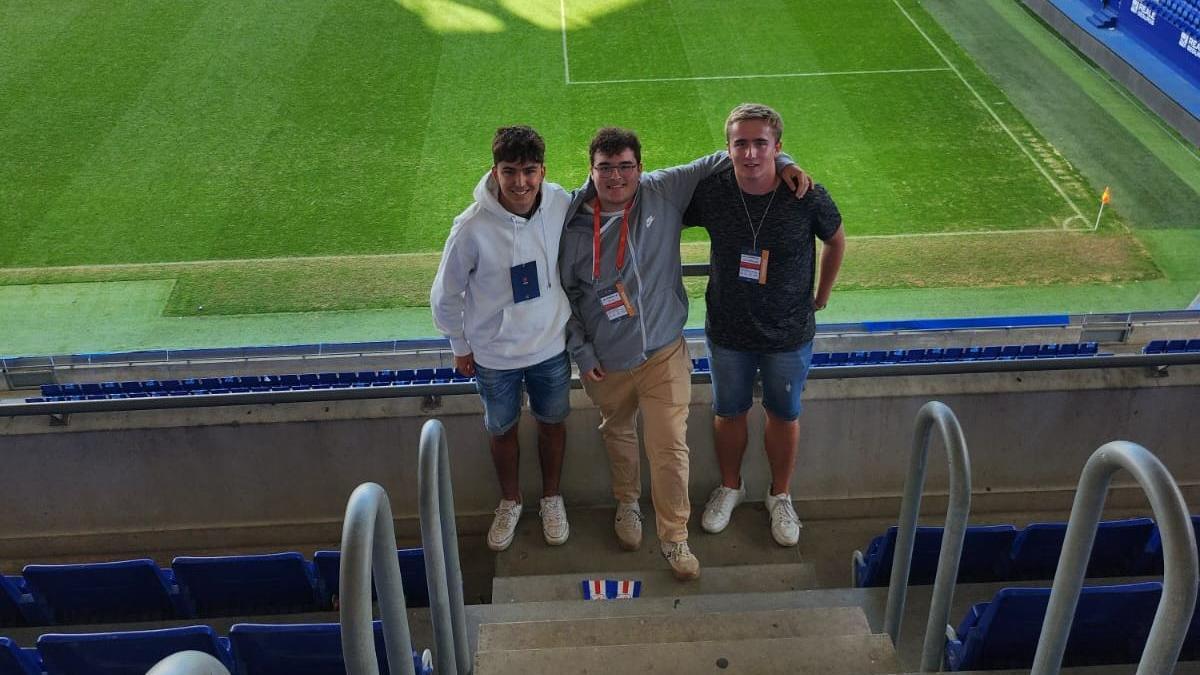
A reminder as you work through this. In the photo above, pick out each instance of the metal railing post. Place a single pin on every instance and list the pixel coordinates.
(1179, 558)
(369, 543)
(932, 413)
(439, 537)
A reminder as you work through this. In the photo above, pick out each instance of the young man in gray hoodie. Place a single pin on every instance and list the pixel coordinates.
(620, 266)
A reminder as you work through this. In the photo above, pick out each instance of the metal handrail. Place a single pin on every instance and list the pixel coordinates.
(439, 537)
(369, 544)
(1179, 558)
(189, 662)
(934, 412)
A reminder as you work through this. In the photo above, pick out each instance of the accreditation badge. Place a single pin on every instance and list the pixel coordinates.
(752, 266)
(525, 281)
(615, 302)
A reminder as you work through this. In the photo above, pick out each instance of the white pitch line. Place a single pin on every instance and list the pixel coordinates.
(911, 235)
(762, 76)
(562, 7)
(995, 117)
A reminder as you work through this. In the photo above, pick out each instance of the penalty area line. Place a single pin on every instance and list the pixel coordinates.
(763, 76)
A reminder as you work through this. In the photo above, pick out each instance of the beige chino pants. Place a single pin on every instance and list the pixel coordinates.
(661, 388)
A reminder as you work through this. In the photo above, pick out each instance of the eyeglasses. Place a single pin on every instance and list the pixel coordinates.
(624, 168)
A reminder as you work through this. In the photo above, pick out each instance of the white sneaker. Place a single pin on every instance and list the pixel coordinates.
(720, 507)
(628, 525)
(504, 525)
(785, 524)
(555, 528)
(684, 564)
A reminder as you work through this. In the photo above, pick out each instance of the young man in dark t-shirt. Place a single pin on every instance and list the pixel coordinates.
(760, 306)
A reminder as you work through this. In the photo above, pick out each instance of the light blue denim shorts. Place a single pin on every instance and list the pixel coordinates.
(549, 386)
(783, 377)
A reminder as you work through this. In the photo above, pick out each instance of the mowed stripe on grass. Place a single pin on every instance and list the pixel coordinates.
(384, 281)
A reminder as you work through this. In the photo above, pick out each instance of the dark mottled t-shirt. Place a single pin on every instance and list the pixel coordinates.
(778, 315)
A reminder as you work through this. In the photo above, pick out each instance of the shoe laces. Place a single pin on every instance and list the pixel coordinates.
(784, 512)
(677, 551)
(552, 511)
(720, 496)
(505, 515)
(629, 510)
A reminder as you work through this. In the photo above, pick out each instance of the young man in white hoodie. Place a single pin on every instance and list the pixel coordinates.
(498, 299)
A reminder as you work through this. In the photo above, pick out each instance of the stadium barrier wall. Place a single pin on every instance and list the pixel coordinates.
(263, 475)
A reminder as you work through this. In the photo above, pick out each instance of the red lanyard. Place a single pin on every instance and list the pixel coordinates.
(596, 237)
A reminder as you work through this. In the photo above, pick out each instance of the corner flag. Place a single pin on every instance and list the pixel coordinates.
(1105, 198)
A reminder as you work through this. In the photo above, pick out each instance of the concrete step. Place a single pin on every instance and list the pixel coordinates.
(673, 628)
(823, 655)
(659, 582)
(593, 546)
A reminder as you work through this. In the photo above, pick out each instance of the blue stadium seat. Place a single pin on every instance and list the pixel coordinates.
(423, 375)
(129, 590)
(857, 358)
(18, 606)
(839, 358)
(1118, 549)
(1068, 350)
(52, 390)
(991, 353)
(1088, 349)
(1155, 347)
(877, 357)
(127, 653)
(913, 355)
(327, 378)
(820, 359)
(403, 376)
(243, 585)
(1048, 351)
(984, 556)
(1110, 627)
(311, 649)
(1030, 351)
(412, 572)
(954, 354)
(934, 354)
(17, 661)
(1152, 562)
(701, 365)
(1176, 346)
(1010, 351)
(1193, 345)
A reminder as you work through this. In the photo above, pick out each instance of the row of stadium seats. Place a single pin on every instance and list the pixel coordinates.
(1171, 346)
(1111, 625)
(1122, 548)
(1183, 14)
(250, 649)
(426, 376)
(138, 590)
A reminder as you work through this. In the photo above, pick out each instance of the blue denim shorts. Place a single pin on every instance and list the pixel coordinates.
(783, 378)
(549, 385)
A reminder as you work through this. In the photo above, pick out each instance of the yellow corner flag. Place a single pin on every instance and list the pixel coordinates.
(1105, 198)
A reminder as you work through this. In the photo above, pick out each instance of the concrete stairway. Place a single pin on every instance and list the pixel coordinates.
(741, 616)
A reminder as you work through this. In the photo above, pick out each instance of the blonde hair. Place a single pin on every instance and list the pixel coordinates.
(755, 111)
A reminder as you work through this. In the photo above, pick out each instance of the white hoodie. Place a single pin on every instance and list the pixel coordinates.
(472, 297)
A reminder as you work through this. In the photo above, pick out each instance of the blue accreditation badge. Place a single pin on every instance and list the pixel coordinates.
(525, 281)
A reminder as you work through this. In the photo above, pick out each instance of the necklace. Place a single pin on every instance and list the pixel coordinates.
(754, 230)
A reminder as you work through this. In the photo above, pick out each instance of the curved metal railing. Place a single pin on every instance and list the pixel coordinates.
(1179, 558)
(931, 414)
(439, 537)
(189, 663)
(369, 543)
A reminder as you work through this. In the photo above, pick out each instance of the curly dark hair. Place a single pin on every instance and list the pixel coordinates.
(518, 144)
(613, 140)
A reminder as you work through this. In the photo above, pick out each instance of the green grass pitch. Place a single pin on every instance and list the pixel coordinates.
(351, 132)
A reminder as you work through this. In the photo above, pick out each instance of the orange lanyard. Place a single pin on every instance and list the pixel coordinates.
(596, 237)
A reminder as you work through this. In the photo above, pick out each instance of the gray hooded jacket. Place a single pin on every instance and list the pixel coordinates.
(652, 275)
